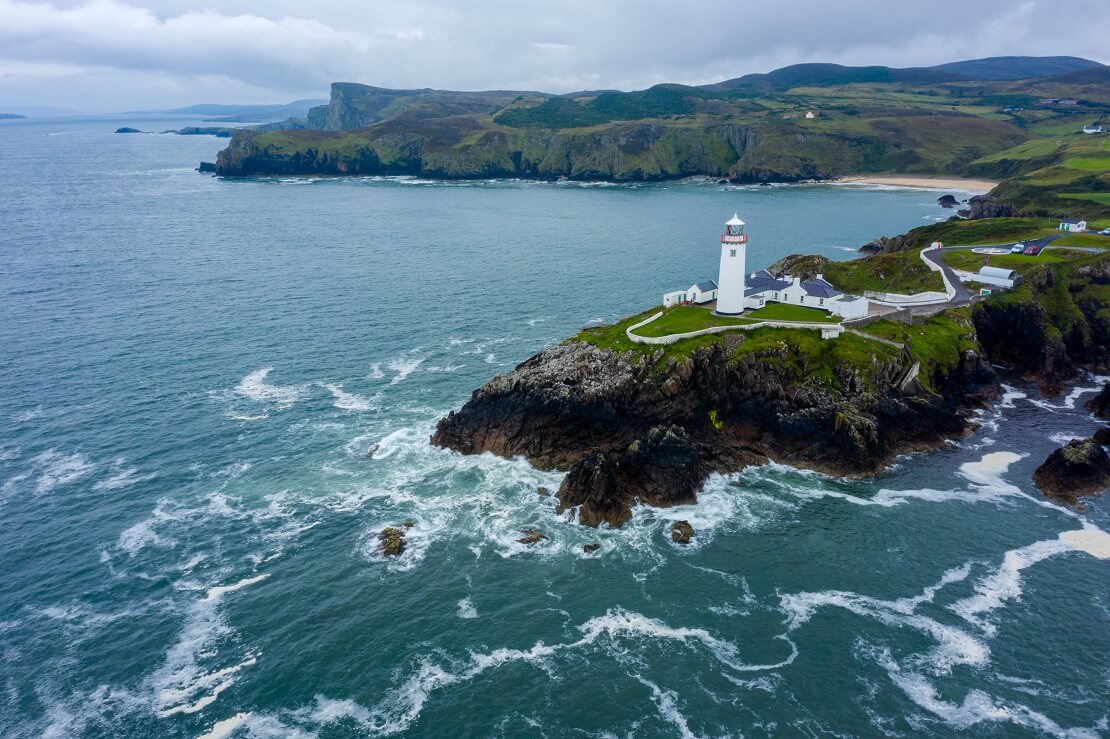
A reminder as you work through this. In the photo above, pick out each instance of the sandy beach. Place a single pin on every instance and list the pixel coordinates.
(932, 183)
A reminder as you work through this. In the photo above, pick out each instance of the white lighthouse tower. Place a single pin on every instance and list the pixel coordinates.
(730, 282)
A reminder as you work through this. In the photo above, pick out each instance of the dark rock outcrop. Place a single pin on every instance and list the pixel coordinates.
(1102, 436)
(391, 541)
(629, 427)
(682, 532)
(805, 266)
(531, 536)
(590, 548)
(947, 201)
(986, 206)
(662, 469)
(126, 129)
(209, 167)
(1079, 468)
(1100, 404)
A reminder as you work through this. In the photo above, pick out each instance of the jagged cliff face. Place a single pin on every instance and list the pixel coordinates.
(631, 152)
(627, 429)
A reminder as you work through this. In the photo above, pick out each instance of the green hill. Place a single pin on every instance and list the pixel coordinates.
(807, 121)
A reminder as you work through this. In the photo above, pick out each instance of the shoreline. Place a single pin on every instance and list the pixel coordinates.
(927, 182)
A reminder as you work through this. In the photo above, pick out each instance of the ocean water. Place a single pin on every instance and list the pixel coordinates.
(214, 394)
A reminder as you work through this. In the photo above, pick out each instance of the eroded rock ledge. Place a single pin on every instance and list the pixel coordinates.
(632, 427)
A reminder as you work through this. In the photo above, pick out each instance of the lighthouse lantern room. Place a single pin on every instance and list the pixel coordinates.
(730, 282)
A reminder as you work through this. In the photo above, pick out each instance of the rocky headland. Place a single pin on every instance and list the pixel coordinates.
(632, 426)
(633, 423)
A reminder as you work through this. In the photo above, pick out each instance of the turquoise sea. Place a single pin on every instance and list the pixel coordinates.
(214, 394)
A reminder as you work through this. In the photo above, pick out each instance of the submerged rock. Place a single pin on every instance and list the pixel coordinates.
(682, 532)
(392, 541)
(531, 536)
(590, 548)
(543, 492)
(1079, 468)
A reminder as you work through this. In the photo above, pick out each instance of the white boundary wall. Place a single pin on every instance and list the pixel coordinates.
(828, 330)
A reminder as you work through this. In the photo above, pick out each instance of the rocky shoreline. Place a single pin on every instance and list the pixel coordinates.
(632, 428)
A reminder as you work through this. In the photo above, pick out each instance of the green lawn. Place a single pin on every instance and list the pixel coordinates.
(971, 262)
(1083, 240)
(682, 319)
(782, 312)
(1097, 164)
(897, 272)
(1096, 197)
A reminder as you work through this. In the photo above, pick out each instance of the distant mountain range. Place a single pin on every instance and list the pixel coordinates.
(993, 69)
(246, 113)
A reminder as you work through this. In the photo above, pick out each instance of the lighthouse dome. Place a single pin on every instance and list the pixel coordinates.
(734, 221)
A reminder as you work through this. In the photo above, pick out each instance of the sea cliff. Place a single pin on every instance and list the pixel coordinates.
(633, 426)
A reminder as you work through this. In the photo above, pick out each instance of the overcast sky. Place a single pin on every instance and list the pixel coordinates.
(110, 55)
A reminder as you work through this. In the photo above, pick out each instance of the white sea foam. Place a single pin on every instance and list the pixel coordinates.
(226, 727)
(54, 469)
(444, 368)
(666, 701)
(349, 401)
(1069, 400)
(255, 387)
(1005, 583)
(467, 609)
(183, 684)
(141, 535)
(1060, 438)
(1009, 396)
(977, 707)
(403, 366)
(124, 478)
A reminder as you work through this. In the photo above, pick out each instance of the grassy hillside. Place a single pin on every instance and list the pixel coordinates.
(811, 121)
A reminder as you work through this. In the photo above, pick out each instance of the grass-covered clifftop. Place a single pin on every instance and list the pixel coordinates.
(803, 122)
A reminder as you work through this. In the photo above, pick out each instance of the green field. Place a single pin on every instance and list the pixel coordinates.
(971, 262)
(1087, 239)
(1100, 164)
(937, 342)
(783, 312)
(896, 272)
(1095, 197)
(683, 319)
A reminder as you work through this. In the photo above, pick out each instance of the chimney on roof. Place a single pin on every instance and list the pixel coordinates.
(820, 276)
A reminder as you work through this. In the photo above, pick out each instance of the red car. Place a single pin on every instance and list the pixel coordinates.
(1032, 250)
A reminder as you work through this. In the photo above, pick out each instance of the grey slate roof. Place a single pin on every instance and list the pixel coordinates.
(706, 286)
(762, 281)
(1071, 220)
(820, 289)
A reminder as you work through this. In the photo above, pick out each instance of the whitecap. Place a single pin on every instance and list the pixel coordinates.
(466, 609)
(376, 371)
(124, 478)
(255, 387)
(349, 401)
(55, 469)
(403, 366)
(141, 535)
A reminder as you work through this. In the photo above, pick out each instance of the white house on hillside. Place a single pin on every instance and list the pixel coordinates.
(1093, 129)
(1074, 225)
(763, 288)
(698, 294)
(736, 291)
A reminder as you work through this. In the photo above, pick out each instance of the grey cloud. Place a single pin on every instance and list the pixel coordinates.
(133, 52)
